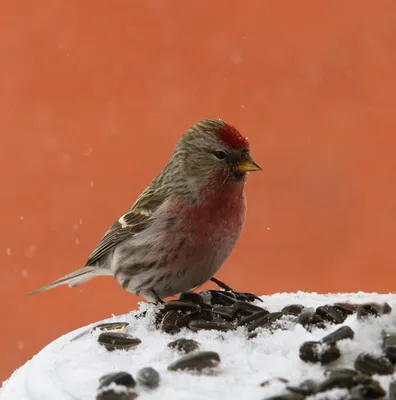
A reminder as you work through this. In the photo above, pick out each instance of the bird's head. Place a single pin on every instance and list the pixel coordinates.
(214, 151)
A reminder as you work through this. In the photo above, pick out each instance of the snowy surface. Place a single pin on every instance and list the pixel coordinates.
(68, 369)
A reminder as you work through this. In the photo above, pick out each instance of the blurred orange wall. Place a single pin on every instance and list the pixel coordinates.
(94, 94)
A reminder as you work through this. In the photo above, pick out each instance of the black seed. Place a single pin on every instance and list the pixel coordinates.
(371, 391)
(117, 341)
(112, 395)
(318, 352)
(373, 309)
(206, 315)
(362, 379)
(309, 317)
(168, 324)
(225, 312)
(293, 309)
(268, 381)
(252, 317)
(196, 326)
(286, 396)
(370, 364)
(331, 314)
(345, 332)
(185, 345)
(306, 388)
(264, 321)
(119, 378)
(106, 326)
(206, 306)
(341, 372)
(337, 381)
(148, 377)
(244, 308)
(193, 297)
(178, 305)
(111, 326)
(196, 361)
(389, 346)
(346, 308)
(392, 390)
(253, 335)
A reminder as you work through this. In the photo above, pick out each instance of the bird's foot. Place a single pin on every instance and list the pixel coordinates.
(157, 298)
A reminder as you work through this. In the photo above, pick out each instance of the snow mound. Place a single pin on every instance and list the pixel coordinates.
(251, 368)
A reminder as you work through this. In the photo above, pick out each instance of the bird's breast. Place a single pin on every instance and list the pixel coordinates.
(212, 227)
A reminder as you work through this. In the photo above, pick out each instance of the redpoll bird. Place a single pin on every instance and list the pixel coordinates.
(184, 225)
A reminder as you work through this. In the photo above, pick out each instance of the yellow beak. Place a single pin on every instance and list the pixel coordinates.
(247, 166)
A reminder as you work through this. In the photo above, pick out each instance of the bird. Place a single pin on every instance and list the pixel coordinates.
(184, 225)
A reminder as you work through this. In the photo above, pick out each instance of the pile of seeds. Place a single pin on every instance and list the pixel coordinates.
(227, 310)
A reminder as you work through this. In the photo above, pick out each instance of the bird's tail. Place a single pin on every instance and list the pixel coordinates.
(75, 278)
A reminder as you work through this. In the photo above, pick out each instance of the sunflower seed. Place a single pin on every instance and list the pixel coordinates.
(286, 396)
(370, 364)
(370, 391)
(119, 378)
(389, 346)
(227, 313)
(293, 309)
(196, 361)
(306, 388)
(373, 309)
(111, 326)
(177, 305)
(346, 308)
(185, 345)
(112, 395)
(331, 314)
(183, 321)
(168, 324)
(309, 317)
(117, 341)
(265, 321)
(193, 297)
(106, 326)
(318, 352)
(242, 307)
(341, 372)
(252, 317)
(148, 377)
(196, 326)
(345, 332)
(337, 381)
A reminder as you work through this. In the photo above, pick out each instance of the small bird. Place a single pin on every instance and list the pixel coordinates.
(184, 225)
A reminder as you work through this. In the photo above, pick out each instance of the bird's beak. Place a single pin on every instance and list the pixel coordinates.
(247, 166)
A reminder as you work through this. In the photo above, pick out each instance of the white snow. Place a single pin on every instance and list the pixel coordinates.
(68, 369)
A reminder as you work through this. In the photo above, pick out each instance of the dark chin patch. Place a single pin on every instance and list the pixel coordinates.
(238, 176)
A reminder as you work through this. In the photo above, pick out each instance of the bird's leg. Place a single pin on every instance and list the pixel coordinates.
(155, 295)
(221, 284)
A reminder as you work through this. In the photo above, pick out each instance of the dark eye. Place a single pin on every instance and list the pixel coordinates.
(221, 155)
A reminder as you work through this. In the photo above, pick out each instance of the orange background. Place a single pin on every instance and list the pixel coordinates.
(94, 95)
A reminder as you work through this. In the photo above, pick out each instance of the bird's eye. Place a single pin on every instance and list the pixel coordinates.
(221, 155)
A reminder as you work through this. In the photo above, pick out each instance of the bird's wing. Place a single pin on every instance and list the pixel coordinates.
(134, 221)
